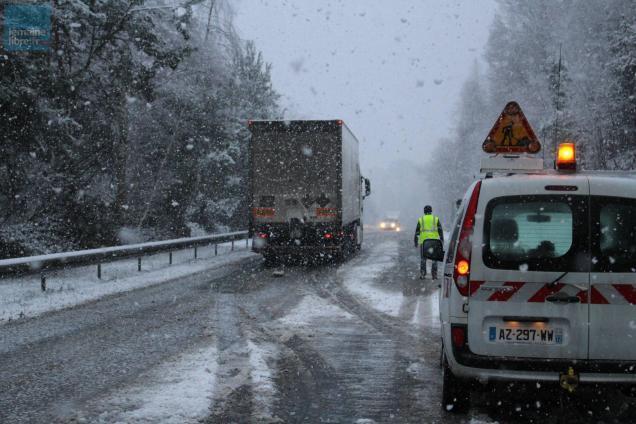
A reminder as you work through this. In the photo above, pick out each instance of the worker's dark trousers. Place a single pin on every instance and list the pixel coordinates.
(423, 264)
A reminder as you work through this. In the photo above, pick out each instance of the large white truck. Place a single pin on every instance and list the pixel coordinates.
(306, 190)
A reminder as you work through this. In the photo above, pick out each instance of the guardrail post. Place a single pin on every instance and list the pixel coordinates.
(139, 264)
(169, 258)
(99, 271)
(216, 249)
(43, 282)
(196, 253)
(232, 244)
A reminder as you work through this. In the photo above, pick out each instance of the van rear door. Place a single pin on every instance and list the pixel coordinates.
(613, 277)
(530, 268)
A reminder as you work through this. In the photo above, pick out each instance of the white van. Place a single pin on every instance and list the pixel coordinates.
(540, 282)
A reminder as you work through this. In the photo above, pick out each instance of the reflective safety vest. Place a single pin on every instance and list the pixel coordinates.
(428, 227)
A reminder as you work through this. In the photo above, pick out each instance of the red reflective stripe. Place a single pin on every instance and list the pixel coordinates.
(474, 286)
(503, 296)
(596, 297)
(545, 291)
(628, 291)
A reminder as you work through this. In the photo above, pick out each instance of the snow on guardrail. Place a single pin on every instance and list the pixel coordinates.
(114, 252)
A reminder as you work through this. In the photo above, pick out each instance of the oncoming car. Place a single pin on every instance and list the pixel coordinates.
(390, 224)
(539, 281)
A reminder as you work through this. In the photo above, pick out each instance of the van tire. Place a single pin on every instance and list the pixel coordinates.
(455, 392)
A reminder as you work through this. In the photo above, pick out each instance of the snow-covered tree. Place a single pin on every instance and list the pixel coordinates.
(132, 120)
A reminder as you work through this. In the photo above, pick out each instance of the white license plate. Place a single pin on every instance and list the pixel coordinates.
(525, 335)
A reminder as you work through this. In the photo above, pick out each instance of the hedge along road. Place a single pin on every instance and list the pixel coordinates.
(354, 342)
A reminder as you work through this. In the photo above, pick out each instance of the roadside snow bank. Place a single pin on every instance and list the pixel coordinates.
(427, 313)
(22, 297)
(359, 278)
(178, 391)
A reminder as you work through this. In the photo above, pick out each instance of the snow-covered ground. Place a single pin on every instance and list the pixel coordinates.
(311, 308)
(427, 311)
(362, 279)
(22, 297)
(179, 390)
(359, 277)
(262, 379)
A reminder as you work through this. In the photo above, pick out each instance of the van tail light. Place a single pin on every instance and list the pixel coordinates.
(458, 336)
(461, 273)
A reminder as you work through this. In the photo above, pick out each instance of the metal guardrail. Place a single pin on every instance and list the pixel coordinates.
(43, 263)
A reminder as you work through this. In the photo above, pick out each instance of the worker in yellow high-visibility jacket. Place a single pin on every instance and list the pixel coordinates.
(428, 227)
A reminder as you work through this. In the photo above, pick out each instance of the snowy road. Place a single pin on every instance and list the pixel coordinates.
(356, 343)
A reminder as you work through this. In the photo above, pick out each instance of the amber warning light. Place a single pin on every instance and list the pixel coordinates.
(566, 157)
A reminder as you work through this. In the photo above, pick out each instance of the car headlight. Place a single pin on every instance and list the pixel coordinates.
(397, 229)
(382, 225)
(393, 225)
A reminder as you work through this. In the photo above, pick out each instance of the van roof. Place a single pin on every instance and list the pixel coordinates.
(550, 173)
(512, 183)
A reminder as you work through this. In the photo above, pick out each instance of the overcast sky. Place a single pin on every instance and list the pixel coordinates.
(392, 69)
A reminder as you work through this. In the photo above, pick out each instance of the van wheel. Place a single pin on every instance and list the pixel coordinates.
(455, 392)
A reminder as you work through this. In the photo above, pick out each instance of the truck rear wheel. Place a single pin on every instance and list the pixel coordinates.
(455, 392)
(358, 231)
(271, 260)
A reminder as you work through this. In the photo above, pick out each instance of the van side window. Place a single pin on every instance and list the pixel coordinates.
(535, 232)
(613, 234)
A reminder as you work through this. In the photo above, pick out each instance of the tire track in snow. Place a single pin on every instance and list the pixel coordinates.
(177, 391)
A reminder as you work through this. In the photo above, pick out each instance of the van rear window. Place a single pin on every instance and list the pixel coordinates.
(544, 233)
(613, 234)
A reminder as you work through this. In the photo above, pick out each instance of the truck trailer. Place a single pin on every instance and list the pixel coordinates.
(306, 190)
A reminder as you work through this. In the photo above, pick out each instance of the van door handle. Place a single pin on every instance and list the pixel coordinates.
(562, 298)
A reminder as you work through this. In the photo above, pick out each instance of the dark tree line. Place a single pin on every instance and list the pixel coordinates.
(131, 128)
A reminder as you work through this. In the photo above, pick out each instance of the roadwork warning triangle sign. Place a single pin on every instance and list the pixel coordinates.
(511, 133)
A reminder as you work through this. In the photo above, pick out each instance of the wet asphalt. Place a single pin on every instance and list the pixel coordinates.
(371, 367)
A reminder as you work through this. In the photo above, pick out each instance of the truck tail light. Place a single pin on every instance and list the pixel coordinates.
(328, 236)
(263, 212)
(262, 235)
(461, 273)
(326, 212)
